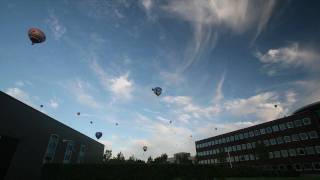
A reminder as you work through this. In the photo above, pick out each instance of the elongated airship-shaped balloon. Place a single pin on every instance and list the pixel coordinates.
(36, 35)
(98, 135)
(157, 91)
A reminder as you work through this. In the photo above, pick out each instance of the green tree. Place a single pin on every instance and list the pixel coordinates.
(161, 160)
(150, 160)
(107, 155)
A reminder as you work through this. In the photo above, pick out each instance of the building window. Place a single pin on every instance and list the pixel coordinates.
(313, 134)
(218, 151)
(229, 149)
(270, 155)
(280, 140)
(269, 130)
(223, 140)
(231, 138)
(282, 126)
(244, 146)
(316, 166)
(251, 133)
(284, 153)
(290, 125)
(287, 139)
(238, 147)
(246, 157)
(236, 158)
(317, 149)
(292, 152)
(297, 123)
(68, 153)
(301, 151)
(306, 121)
(51, 148)
(249, 146)
(225, 149)
(216, 141)
(275, 128)
(297, 167)
(273, 141)
(241, 136)
(256, 132)
(307, 166)
(310, 150)
(295, 137)
(303, 136)
(276, 154)
(266, 142)
(262, 131)
(251, 157)
(253, 144)
(246, 135)
(81, 153)
(234, 148)
(228, 139)
(236, 137)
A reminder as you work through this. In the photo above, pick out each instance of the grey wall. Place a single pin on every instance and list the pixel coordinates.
(33, 130)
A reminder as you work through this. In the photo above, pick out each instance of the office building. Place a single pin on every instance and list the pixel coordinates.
(287, 143)
(29, 138)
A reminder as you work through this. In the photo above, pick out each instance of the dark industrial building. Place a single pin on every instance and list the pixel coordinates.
(289, 143)
(29, 138)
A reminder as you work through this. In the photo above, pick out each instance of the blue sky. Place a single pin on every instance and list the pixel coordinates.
(221, 64)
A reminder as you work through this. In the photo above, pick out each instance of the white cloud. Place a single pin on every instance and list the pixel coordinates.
(121, 86)
(80, 90)
(19, 94)
(292, 55)
(171, 78)
(147, 4)
(53, 103)
(55, 25)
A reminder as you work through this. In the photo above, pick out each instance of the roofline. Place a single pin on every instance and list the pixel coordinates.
(49, 117)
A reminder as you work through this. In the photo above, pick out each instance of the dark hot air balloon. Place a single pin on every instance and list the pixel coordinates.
(78, 113)
(144, 148)
(170, 122)
(157, 91)
(36, 35)
(275, 106)
(98, 135)
(90, 122)
(41, 106)
(117, 124)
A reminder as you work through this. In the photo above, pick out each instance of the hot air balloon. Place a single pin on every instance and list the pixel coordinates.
(98, 135)
(78, 113)
(36, 35)
(144, 148)
(157, 90)
(170, 121)
(41, 106)
(275, 106)
(90, 122)
(216, 128)
(117, 124)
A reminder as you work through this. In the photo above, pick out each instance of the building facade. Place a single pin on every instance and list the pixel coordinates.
(29, 138)
(289, 143)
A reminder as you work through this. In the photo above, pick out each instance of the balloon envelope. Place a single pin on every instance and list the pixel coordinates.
(36, 35)
(98, 135)
(157, 91)
(145, 148)
(78, 113)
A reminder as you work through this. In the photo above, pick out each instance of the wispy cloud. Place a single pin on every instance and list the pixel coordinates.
(291, 56)
(210, 18)
(80, 89)
(219, 93)
(19, 94)
(55, 25)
